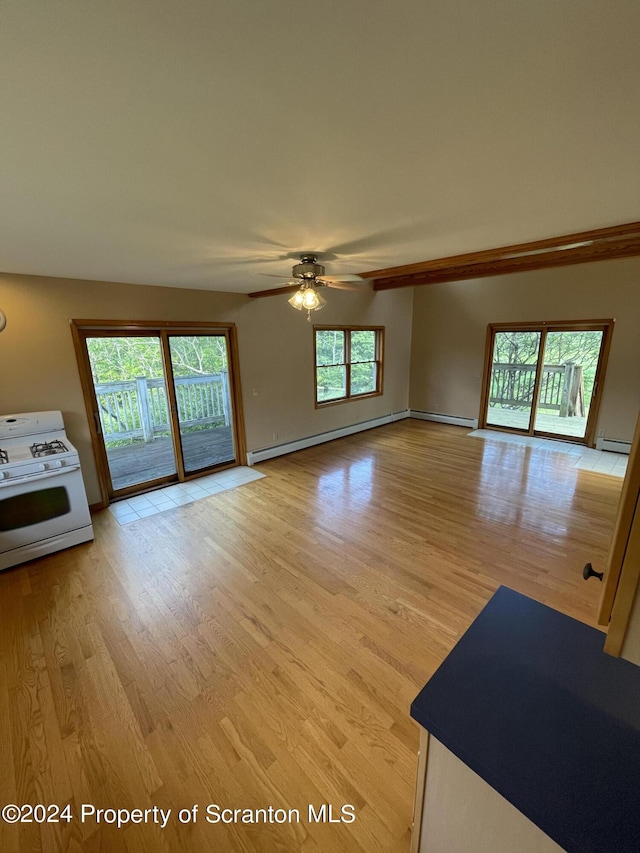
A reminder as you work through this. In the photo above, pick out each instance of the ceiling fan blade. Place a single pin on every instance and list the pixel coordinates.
(343, 285)
(275, 291)
(246, 261)
(273, 275)
(346, 277)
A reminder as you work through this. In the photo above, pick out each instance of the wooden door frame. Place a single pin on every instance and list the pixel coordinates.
(544, 327)
(622, 573)
(82, 329)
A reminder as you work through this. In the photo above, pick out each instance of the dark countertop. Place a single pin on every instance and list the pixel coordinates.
(530, 702)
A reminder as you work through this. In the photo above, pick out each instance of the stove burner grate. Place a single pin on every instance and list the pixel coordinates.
(4, 457)
(47, 448)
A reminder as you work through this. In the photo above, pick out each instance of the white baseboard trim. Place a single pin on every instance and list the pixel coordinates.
(613, 444)
(472, 423)
(254, 456)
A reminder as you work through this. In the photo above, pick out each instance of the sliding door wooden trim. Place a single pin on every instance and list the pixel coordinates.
(119, 326)
(544, 327)
(173, 404)
(85, 328)
(90, 404)
(620, 539)
(601, 371)
(539, 367)
(236, 389)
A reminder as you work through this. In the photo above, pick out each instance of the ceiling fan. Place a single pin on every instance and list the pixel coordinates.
(309, 275)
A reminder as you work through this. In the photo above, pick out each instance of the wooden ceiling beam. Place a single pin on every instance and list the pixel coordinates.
(600, 244)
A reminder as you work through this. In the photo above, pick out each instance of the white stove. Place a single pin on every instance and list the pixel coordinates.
(43, 503)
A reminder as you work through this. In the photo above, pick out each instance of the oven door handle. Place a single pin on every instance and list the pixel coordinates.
(34, 478)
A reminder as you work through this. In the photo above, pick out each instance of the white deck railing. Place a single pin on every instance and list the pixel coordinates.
(138, 408)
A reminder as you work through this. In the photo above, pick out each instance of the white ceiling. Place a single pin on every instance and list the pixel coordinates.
(197, 143)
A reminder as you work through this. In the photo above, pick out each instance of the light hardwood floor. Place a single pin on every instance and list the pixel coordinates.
(261, 647)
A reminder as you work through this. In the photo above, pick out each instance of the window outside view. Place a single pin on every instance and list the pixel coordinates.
(346, 363)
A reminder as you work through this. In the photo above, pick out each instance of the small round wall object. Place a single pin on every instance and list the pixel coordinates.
(3, 320)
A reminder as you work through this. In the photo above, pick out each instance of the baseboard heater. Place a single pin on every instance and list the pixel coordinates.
(613, 444)
(472, 423)
(254, 456)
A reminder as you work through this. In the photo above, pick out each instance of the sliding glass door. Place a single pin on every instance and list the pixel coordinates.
(545, 379)
(514, 366)
(569, 364)
(164, 402)
(200, 373)
(132, 409)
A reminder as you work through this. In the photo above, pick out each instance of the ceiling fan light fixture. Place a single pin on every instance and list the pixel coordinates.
(307, 299)
(311, 277)
(308, 268)
(311, 299)
(296, 300)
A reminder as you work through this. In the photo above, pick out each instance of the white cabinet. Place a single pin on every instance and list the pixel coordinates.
(456, 810)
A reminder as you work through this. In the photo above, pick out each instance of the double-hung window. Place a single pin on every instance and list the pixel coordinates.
(348, 362)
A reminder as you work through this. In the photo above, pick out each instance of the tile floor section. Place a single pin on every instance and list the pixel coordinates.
(587, 459)
(179, 494)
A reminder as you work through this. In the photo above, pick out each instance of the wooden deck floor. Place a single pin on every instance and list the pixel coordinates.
(262, 646)
(570, 427)
(136, 463)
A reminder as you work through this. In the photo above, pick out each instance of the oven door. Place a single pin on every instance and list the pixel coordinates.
(38, 507)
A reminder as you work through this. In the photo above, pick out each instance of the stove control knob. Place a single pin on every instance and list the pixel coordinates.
(42, 466)
(4, 475)
(58, 463)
